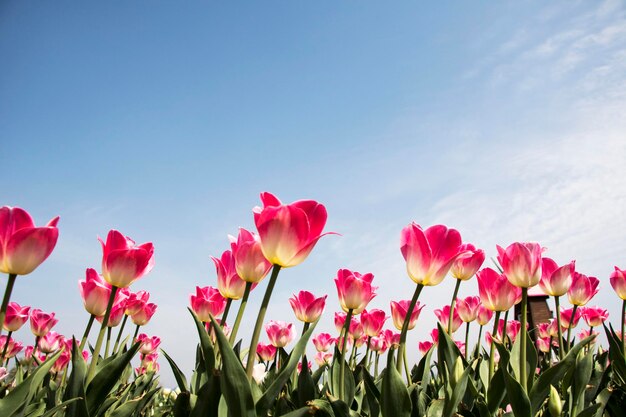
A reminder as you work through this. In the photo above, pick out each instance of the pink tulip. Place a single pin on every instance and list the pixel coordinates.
(250, 263)
(339, 341)
(543, 344)
(340, 320)
(51, 342)
(300, 366)
(288, 232)
(399, 311)
(443, 315)
(521, 263)
(434, 335)
(61, 363)
(136, 302)
(306, 307)
(356, 330)
(496, 292)
(149, 363)
(148, 344)
(553, 329)
(15, 317)
(12, 348)
(95, 293)
(265, 351)
(583, 289)
(618, 282)
(229, 283)
(23, 247)
(430, 253)
(116, 315)
(461, 346)
(512, 329)
(594, 316)
(207, 301)
(323, 341)
(566, 317)
(355, 291)
(279, 333)
(41, 323)
(323, 358)
(123, 262)
(543, 330)
(378, 343)
(586, 333)
(143, 316)
(484, 315)
(467, 308)
(425, 346)
(373, 321)
(392, 338)
(555, 280)
(468, 263)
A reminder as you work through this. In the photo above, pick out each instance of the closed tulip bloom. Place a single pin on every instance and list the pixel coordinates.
(434, 335)
(15, 317)
(425, 346)
(521, 263)
(468, 263)
(340, 320)
(61, 363)
(378, 343)
(392, 338)
(265, 351)
(399, 311)
(323, 341)
(207, 301)
(116, 316)
(23, 247)
(543, 330)
(356, 330)
(443, 315)
(555, 280)
(307, 307)
(512, 329)
(250, 263)
(136, 302)
(148, 344)
(13, 347)
(323, 358)
(123, 262)
(143, 316)
(95, 293)
(279, 333)
(484, 315)
(229, 283)
(586, 333)
(51, 342)
(467, 308)
(41, 323)
(430, 253)
(288, 232)
(583, 289)
(496, 292)
(373, 321)
(594, 316)
(618, 282)
(543, 344)
(553, 329)
(355, 290)
(566, 317)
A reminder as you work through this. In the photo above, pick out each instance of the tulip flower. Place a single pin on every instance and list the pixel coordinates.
(339, 342)
(279, 333)
(618, 282)
(392, 338)
(543, 330)
(307, 307)
(323, 341)
(467, 308)
(555, 280)
(299, 367)
(378, 343)
(10, 347)
(95, 293)
(355, 290)
(521, 263)
(443, 315)
(207, 301)
(250, 263)
(434, 335)
(323, 358)
(123, 262)
(484, 315)
(41, 323)
(399, 313)
(148, 344)
(425, 346)
(229, 283)
(586, 333)
(543, 344)
(570, 317)
(115, 316)
(583, 289)
(356, 330)
(265, 351)
(50, 342)
(468, 263)
(259, 373)
(143, 316)
(496, 291)
(15, 317)
(61, 363)
(136, 301)
(340, 320)
(594, 316)
(373, 321)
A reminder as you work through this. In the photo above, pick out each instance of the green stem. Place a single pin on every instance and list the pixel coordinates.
(119, 334)
(6, 346)
(623, 317)
(103, 327)
(342, 355)
(86, 334)
(6, 299)
(135, 335)
(225, 313)
(504, 335)
(405, 327)
(406, 367)
(467, 339)
(242, 308)
(522, 356)
(108, 343)
(304, 330)
(477, 350)
(452, 305)
(376, 365)
(492, 359)
(259, 321)
(569, 328)
(367, 354)
(558, 325)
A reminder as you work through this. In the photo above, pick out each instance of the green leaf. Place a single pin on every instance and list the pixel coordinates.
(452, 403)
(306, 387)
(182, 405)
(395, 400)
(234, 382)
(423, 368)
(582, 374)
(208, 353)
(335, 376)
(75, 387)
(127, 409)
(208, 399)
(496, 391)
(59, 407)
(181, 380)
(517, 396)
(300, 412)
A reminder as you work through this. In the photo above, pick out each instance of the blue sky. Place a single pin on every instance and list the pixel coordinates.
(165, 120)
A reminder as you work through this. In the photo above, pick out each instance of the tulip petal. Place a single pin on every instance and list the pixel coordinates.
(28, 248)
(316, 213)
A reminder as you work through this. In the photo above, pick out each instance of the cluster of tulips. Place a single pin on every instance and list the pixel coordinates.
(518, 370)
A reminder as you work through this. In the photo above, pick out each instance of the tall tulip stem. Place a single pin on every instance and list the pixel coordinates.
(492, 358)
(6, 346)
(259, 321)
(569, 328)
(623, 317)
(477, 350)
(405, 327)
(558, 325)
(242, 308)
(225, 313)
(6, 299)
(119, 334)
(522, 356)
(103, 327)
(86, 334)
(467, 339)
(342, 356)
(452, 305)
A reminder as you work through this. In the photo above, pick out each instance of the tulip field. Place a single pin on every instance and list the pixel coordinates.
(573, 365)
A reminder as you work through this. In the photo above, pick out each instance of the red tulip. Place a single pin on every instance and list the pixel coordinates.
(279, 333)
(566, 317)
(143, 316)
(207, 301)
(15, 317)
(373, 321)
(117, 313)
(430, 253)
(443, 315)
(265, 351)
(123, 262)
(555, 280)
(521, 263)
(288, 232)
(95, 293)
(484, 315)
(425, 346)
(340, 320)
(229, 283)
(356, 330)
(12, 348)
(136, 302)
(467, 308)
(583, 289)
(618, 282)
(148, 344)
(51, 342)
(378, 343)
(468, 263)
(323, 341)
(23, 247)
(306, 307)
(399, 311)
(594, 316)
(586, 333)
(41, 323)
(250, 263)
(392, 338)
(434, 335)
(496, 292)
(543, 330)
(355, 291)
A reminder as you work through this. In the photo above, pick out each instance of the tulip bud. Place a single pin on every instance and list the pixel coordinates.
(457, 371)
(554, 402)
